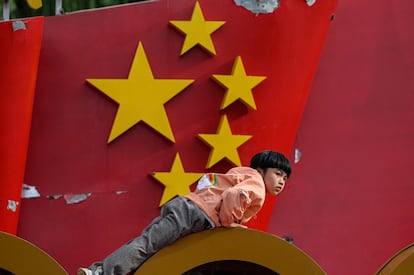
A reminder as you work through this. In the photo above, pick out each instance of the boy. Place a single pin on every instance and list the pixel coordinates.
(227, 200)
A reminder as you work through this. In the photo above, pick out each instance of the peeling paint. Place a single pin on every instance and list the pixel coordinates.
(310, 3)
(54, 197)
(76, 198)
(18, 25)
(29, 192)
(12, 205)
(258, 6)
(298, 155)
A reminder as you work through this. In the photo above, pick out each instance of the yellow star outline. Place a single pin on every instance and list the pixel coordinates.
(140, 97)
(177, 182)
(197, 31)
(238, 85)
(224, 144)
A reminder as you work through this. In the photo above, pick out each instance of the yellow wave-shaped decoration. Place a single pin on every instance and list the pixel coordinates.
(401, 263)
(20, 257)
(235, 244)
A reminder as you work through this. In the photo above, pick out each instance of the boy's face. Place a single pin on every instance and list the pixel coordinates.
(274, 180)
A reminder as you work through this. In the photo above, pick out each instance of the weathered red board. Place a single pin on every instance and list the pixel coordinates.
(19, 56)
(68, 151)
(351, 201)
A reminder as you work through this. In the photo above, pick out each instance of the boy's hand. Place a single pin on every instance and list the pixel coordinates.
(237, 225)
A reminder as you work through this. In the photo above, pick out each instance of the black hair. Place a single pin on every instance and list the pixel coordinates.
(271, 159)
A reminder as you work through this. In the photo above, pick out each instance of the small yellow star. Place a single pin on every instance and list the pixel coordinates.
(238, 85)
(197, 31)
(177, 182)
(224, 144)
(141, 97)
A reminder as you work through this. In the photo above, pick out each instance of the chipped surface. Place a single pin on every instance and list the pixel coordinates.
(54, 197)
(18, 25)
(298, 155)
(76, 198)
(258, 6)
(29, 192)
(12, 205)
(310, 2)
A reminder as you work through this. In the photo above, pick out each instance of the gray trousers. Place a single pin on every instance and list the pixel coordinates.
(178, 218)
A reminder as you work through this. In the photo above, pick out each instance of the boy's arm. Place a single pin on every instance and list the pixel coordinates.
(240, 203)
(250, 212)
(232, 207)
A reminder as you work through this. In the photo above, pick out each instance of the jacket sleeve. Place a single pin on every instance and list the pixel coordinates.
(241, 202)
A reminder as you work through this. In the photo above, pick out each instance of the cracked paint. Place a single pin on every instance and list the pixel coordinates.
(258, 6)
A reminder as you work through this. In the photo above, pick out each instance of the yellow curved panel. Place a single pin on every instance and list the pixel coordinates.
(230, 244)
(21, 257)
(401, 263)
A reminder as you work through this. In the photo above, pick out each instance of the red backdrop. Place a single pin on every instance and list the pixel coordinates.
(68, 153)
(351, 198)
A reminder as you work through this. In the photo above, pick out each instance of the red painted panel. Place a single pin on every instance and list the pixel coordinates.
(350, 204)
(68, 152)
(19, 55)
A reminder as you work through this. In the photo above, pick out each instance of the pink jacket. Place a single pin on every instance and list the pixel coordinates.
(235, 196)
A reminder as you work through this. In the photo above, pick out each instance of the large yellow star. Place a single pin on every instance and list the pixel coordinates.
(224, 144)
(197, 31)
(177, 182)
(141, 97)
(238, 85)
